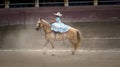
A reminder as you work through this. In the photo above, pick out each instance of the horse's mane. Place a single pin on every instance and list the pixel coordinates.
(45, 21)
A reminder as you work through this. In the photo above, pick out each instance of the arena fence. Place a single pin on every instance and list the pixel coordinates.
(55, 3)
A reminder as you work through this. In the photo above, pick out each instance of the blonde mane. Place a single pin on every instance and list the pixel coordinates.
(45, 22)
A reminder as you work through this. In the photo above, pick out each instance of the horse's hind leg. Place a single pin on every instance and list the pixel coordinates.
(74, 47)
(74, 51)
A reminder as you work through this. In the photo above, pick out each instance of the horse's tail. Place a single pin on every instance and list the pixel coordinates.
(79, 39)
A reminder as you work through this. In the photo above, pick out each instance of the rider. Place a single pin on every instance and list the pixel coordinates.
(57, 24)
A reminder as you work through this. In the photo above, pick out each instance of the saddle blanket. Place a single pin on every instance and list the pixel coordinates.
(60, 27)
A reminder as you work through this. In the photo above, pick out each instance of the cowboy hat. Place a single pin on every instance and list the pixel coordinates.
(58, 14)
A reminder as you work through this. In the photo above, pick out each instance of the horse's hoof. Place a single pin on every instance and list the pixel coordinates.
(53, 54)
(73, 53)
(44, 53)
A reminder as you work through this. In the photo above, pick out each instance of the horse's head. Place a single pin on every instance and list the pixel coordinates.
(39, 24)
(42, 24)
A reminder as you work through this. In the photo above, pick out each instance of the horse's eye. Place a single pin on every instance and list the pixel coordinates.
(38, 24)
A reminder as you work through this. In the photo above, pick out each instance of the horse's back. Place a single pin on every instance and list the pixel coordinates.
(71, 33)
(71, 30)
(56, 36)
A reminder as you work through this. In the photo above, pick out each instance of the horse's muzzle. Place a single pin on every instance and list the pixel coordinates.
(36, 29)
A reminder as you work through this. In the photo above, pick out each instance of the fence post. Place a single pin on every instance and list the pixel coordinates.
(36, 3)
(7, 3)
(95, 2)
(66, 3)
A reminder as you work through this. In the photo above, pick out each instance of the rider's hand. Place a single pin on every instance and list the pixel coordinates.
(52, 20)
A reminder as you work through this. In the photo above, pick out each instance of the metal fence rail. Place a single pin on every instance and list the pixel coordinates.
(56, 3)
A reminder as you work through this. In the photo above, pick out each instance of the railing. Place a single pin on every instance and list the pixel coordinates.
(113, 2)
(49, 4)
(21, 5)
(2, 5)
(80, 3)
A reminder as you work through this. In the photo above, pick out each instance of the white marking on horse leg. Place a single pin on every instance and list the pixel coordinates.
(53, 52)
(45, 48)
(72, 50)
(53, 48)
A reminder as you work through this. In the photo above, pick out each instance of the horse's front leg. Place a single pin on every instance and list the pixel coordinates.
(53, 48)
(45, 46)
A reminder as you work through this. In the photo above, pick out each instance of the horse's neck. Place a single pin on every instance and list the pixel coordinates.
(47, 28)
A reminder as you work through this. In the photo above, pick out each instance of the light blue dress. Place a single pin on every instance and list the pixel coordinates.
(59, 26)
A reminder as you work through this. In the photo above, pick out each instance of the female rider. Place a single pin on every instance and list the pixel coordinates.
(57, 25)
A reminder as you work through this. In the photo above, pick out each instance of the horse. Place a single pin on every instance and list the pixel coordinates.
(73, 35)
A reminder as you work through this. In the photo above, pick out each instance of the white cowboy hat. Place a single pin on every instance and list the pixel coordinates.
(58, 14)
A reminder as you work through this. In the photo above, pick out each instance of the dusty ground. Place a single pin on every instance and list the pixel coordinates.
(100, 47)
(95, 35)
(84, 58)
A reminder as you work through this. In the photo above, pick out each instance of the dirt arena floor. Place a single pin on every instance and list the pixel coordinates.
(83, 58)
(21, 46)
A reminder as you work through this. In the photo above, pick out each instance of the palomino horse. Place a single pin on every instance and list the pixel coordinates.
(73, 35)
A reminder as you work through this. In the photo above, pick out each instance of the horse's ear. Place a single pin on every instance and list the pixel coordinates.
(40, 19)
